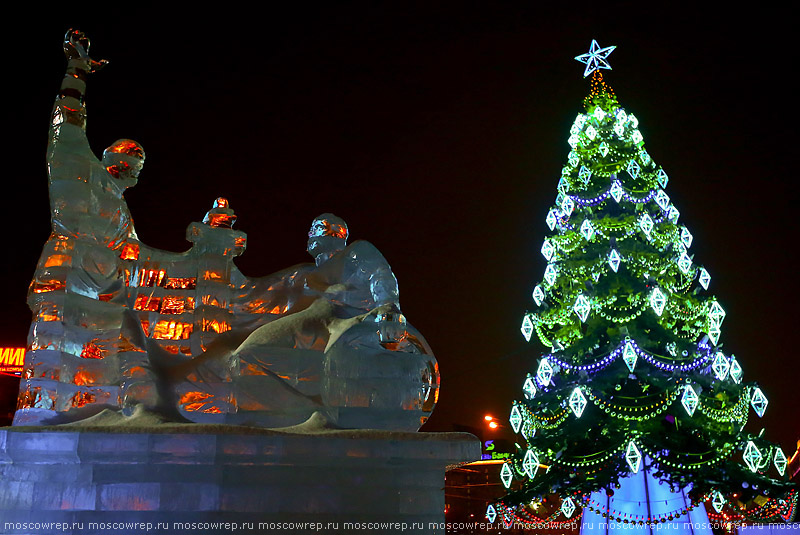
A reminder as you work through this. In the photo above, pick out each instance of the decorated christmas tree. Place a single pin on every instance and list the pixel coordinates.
(634, 379)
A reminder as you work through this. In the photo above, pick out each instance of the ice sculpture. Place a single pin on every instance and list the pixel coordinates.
(118, 324)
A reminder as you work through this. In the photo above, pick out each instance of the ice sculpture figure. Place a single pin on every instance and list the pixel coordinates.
(118, 324)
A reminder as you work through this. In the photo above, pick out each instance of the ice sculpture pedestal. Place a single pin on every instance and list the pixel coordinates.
(204, 473)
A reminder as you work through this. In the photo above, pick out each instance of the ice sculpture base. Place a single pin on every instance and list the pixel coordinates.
(205, 473)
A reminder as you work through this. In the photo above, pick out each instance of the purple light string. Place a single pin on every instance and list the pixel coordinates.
(605, 361)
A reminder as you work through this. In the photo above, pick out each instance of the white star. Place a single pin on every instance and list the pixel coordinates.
(596, 58)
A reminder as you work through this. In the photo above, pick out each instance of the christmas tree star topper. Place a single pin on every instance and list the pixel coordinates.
(596, 58)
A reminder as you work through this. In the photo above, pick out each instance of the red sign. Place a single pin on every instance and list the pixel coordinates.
(11, 359)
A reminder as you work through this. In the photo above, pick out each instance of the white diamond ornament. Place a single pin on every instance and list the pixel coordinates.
(633, 120)
(636, 136)
(644, 157)
(551, 219)
(567, 206)
(573, 158)
(544, 372)
(752, 456)
(491, 514)
(530, 463)
(622, 117)
(580, 121)
(704, 278)
(721, 366)
(646, 224)
(582, 307)
(603, 148)
(577, 402)
(718, 501)
(658, 300)
(585, 174)
(673, 214)
(662, 199)
(506, 475)
(629, 356)
(633, 168)
(780, 461)
(587, 230)
(529, 388)
(614, 260)
(538, 295)
(616, 191)
(716, 314)
(759, 402)
(689, 399)
(515, 418)
(713, 334)
(591, 133)
(736, 371)
(662, 178)
(550, 274)
(685, 263)
(634, 457)
(568, 507)
(619, 129)
(573, 140)
(686, 237)
(548, 249)
(599, 114)
(527, 327)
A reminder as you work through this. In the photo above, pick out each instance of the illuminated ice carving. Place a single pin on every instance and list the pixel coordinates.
(118, 324)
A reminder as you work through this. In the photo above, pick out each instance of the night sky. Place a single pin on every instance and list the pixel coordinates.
(438, 134)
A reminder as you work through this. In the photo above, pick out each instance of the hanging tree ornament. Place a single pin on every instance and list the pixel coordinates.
(673, 214)
(599, 114)
(662, 178)
(587, 230)
(662, 199)
(577, 402)
(718, 501)
(538, 295)
(636, 137)
(619, 129)
(515, 418)
(721, 366)
(644, 157)
(551, 219)
(689, 399)
(527, 327)
(591, 133)
(633, 168)
(548, 249)
(491, 514)
(529, 387)
(614, 260)
(567, 206)
(629, 356)
(759, 401)
(568, 507)
(780, 461)
(550, 274)
(544, 372)
(585, 174)
(573, 158)
(686, 237)
(736, 370)
(596, 58)
(704, 278)
(582, 307)
(633, 456)
(646, 224)
(752, 456)
(506, 475)
(658, 300)
(616, 190)
(603, 148)
(530, 463)
(685, 263)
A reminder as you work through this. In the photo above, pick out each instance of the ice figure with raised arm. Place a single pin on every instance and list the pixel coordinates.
(122, 326)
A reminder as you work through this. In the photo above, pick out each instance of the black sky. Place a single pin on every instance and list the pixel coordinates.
(438, 133)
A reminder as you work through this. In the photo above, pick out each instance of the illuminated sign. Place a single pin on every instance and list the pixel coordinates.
(11, 359)
(491, 454)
